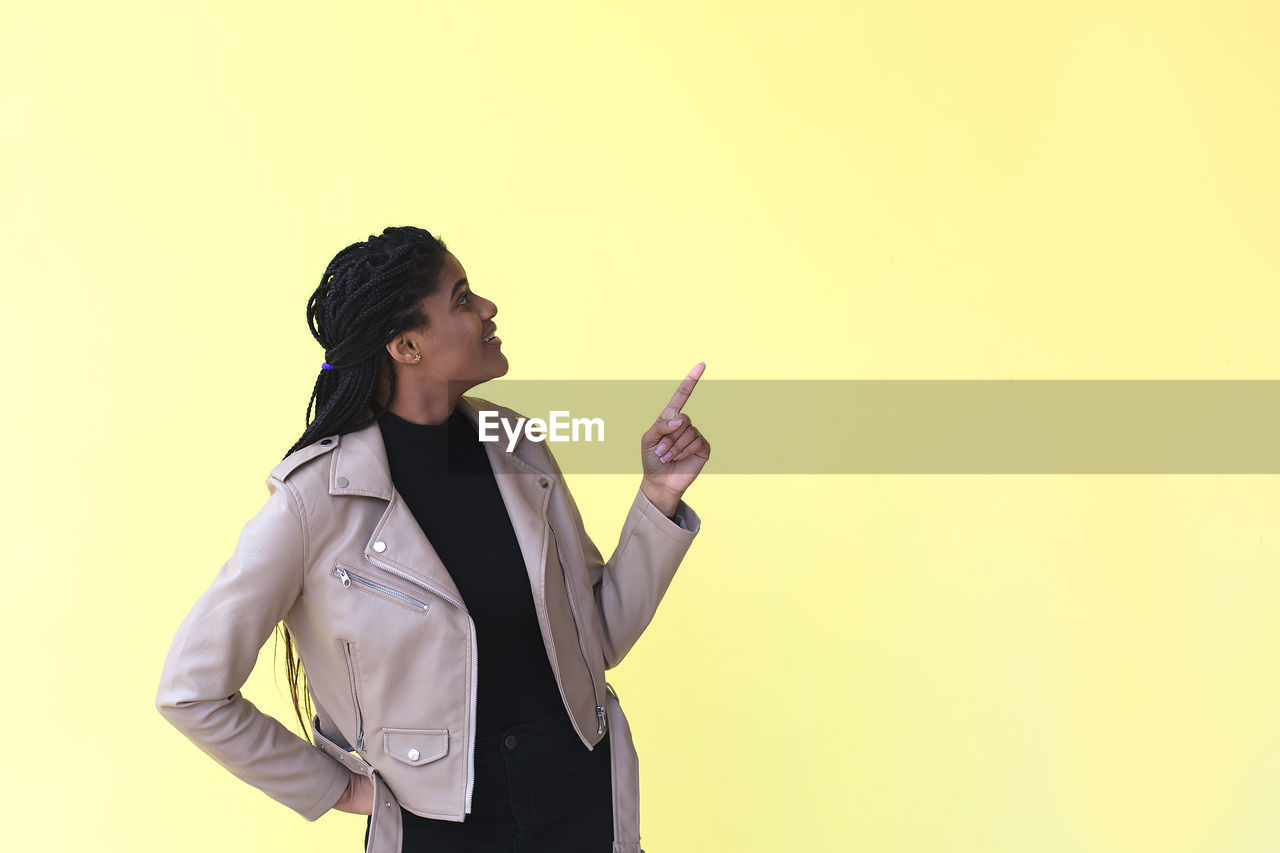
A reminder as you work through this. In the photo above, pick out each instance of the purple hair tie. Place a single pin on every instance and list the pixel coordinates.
(326, 366)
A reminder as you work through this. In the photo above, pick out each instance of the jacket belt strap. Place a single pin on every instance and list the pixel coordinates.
(350, 760)
(386, 828)
(624, 765)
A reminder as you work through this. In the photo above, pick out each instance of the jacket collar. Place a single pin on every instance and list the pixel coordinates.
(360, 464)
(359, 467)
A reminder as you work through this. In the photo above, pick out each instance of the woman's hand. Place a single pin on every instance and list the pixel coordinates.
(358, 798)
(672, 455)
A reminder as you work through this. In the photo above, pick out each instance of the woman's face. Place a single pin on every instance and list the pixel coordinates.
(458, 319)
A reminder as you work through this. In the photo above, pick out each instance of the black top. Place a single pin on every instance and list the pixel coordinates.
(443, 473)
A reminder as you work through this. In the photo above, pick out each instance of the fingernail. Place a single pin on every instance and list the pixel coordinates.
(664, 458)
(676, 422)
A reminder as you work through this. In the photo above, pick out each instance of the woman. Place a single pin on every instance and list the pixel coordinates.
(395, 552)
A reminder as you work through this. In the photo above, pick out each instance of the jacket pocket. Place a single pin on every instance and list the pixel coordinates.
(416, 746)
(353, 578)
(353, 675)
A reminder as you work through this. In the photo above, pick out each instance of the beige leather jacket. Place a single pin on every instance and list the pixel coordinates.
(388, 646)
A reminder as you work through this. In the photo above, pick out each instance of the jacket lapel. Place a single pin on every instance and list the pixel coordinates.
(360, 467)
(526, 491)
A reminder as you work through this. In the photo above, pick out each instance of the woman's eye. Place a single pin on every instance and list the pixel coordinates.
(463, 298)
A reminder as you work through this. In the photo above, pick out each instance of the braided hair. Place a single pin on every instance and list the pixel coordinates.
(370, 292)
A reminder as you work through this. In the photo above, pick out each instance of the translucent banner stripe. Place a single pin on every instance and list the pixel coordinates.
(922, 426)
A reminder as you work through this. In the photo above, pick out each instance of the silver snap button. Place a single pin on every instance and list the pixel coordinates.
(413, 754)
(342, 481)
(511, 741)
(387, 804)
(379, 546)
(326, 442)
(542, 481)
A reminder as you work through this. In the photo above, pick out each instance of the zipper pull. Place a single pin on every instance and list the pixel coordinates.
(599, 720)
(342, 573)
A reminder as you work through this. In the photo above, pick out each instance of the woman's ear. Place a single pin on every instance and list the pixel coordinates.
(400, 348)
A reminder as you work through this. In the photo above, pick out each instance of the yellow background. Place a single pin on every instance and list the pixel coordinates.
(800, 189)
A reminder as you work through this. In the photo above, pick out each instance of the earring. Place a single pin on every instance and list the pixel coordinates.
(417, 357)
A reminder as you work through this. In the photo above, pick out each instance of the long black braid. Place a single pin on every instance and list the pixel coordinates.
(370, 292)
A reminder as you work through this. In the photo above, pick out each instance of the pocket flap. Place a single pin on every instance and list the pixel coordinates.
(415, 746)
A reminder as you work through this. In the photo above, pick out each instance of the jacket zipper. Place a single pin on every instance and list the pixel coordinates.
(355, 692)
(577, 623)
(348, 577)
(471, 735)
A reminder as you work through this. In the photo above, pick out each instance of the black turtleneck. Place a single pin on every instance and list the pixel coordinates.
(443, 473)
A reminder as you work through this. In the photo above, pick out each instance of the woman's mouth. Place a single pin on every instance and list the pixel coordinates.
(492, 339)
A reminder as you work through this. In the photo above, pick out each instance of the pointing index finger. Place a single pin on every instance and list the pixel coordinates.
(681, 396)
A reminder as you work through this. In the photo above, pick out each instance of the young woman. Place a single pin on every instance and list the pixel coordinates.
(454, 618)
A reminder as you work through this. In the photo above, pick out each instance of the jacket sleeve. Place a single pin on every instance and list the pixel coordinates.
(215, 649)
(630, 585)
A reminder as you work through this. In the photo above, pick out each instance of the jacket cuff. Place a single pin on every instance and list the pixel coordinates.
(332, 795)
(682, 531)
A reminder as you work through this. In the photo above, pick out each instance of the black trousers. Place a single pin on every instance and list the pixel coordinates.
(538, 789)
